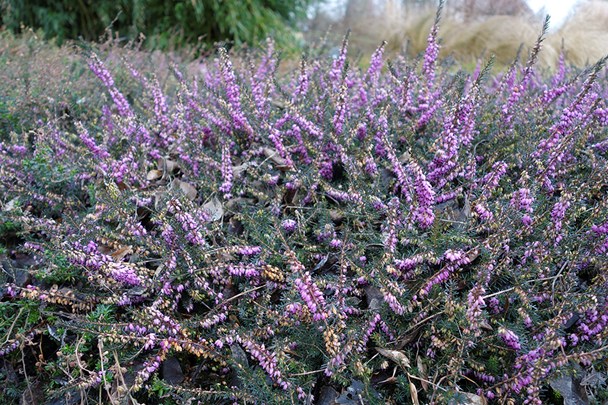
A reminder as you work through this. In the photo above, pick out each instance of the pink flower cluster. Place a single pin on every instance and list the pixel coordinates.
(267, 360)
(312, 296)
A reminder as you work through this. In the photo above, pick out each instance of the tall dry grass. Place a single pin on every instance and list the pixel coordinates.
(586, 34)
(584, 37)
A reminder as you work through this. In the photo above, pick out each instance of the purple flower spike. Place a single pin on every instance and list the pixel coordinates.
(509, 338)
(289, 225)
(312, 296)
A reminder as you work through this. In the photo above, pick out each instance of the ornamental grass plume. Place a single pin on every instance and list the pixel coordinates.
(467, 34)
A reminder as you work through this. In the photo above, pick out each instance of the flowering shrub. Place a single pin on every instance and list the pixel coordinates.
(401, 233)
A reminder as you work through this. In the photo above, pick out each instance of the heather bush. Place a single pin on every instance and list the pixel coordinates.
(404, 233)
(42, 82)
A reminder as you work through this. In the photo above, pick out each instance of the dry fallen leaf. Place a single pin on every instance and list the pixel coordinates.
(486, 326)
(168, 165)
(236, 204)
(406, 157)
(336, 216)
(215, 208)
(275, 158)
(395, 355)
(374, 297)
(422, 368)
(120, 254)
(239, 356)
(466, 398)
(238, 170)
(159, 197)
(154, 175)
(11, 205)
(414, 394)
(187, 189)
(159, 271)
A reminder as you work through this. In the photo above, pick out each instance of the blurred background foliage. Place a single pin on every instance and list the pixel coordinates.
(470, 29)
(166, 24)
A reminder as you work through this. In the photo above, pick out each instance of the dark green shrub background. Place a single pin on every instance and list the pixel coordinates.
(165, 23)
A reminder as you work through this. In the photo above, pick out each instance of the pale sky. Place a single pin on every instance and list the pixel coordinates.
(557, 9)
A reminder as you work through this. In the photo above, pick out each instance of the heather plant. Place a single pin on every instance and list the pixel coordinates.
(402, 233)
(42, 82)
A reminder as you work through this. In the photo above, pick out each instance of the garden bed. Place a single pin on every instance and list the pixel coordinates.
(403, 233)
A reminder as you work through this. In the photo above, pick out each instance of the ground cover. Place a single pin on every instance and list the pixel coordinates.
(226, 231)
